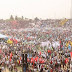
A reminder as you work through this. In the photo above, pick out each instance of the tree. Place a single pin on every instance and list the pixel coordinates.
(16, 18)
(11, 17)
(36, 19)
(22, 17)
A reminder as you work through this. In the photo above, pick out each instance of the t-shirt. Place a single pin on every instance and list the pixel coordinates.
(69, 47)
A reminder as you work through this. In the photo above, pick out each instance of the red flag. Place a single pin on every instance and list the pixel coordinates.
(40, 53)
(10, 59)
(28, 59)
(66, 60)
(32, 59)
(71, 55)
(11, 55)
(19, 61)
(36, 59)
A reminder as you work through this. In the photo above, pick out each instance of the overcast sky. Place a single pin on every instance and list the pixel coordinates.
(35, 8)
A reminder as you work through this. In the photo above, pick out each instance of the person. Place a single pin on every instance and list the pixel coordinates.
(0, 70)
(41, 70)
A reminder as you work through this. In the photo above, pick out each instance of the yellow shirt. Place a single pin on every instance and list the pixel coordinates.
(71, 43)
(67, 44)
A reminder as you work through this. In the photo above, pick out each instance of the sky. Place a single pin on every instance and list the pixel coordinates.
(44, 9)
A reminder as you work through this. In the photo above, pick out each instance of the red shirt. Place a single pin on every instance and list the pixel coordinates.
(51, 70)
(51, 62)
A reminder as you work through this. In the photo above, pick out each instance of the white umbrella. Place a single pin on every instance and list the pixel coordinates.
(3, 36)
(56, 44)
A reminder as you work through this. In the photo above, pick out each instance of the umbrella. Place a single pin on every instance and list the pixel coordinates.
(3, 36)
(56, 44)
(9, 41)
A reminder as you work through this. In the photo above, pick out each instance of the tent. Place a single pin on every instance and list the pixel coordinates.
(3, 36)
(9, 41)
(56, 44)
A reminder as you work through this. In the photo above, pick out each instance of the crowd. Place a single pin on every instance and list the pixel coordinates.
(48, 48)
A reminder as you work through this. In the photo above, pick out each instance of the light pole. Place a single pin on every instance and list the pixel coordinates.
(71, 10)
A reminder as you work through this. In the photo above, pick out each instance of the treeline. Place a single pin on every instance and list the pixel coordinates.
(22, 18)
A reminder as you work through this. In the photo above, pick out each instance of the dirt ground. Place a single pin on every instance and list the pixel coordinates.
(6, 70)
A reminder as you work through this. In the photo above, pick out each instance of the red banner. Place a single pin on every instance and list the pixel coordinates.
(71, 55)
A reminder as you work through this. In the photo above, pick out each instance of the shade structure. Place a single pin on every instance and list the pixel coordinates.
(3, 36)
(9, 41)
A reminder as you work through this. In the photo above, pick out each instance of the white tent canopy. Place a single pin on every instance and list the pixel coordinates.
(48, 44)
(55, 44)
(3, 36)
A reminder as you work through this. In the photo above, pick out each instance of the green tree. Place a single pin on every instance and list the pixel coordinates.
(16, 18)
(22, 17)
(11, 17)
(36, 19)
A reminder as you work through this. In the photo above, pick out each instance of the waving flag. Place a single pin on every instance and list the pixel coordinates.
(71, 55)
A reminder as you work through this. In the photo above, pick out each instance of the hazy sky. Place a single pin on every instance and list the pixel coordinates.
(35, 8)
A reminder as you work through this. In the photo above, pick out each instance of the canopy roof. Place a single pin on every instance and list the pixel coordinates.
(3, 36)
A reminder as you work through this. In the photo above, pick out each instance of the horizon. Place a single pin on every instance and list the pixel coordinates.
(34, 18)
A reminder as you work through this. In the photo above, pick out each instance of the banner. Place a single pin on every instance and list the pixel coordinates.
(71, 55)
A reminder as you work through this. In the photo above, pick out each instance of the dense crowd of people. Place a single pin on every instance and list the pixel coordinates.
(48, 47)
